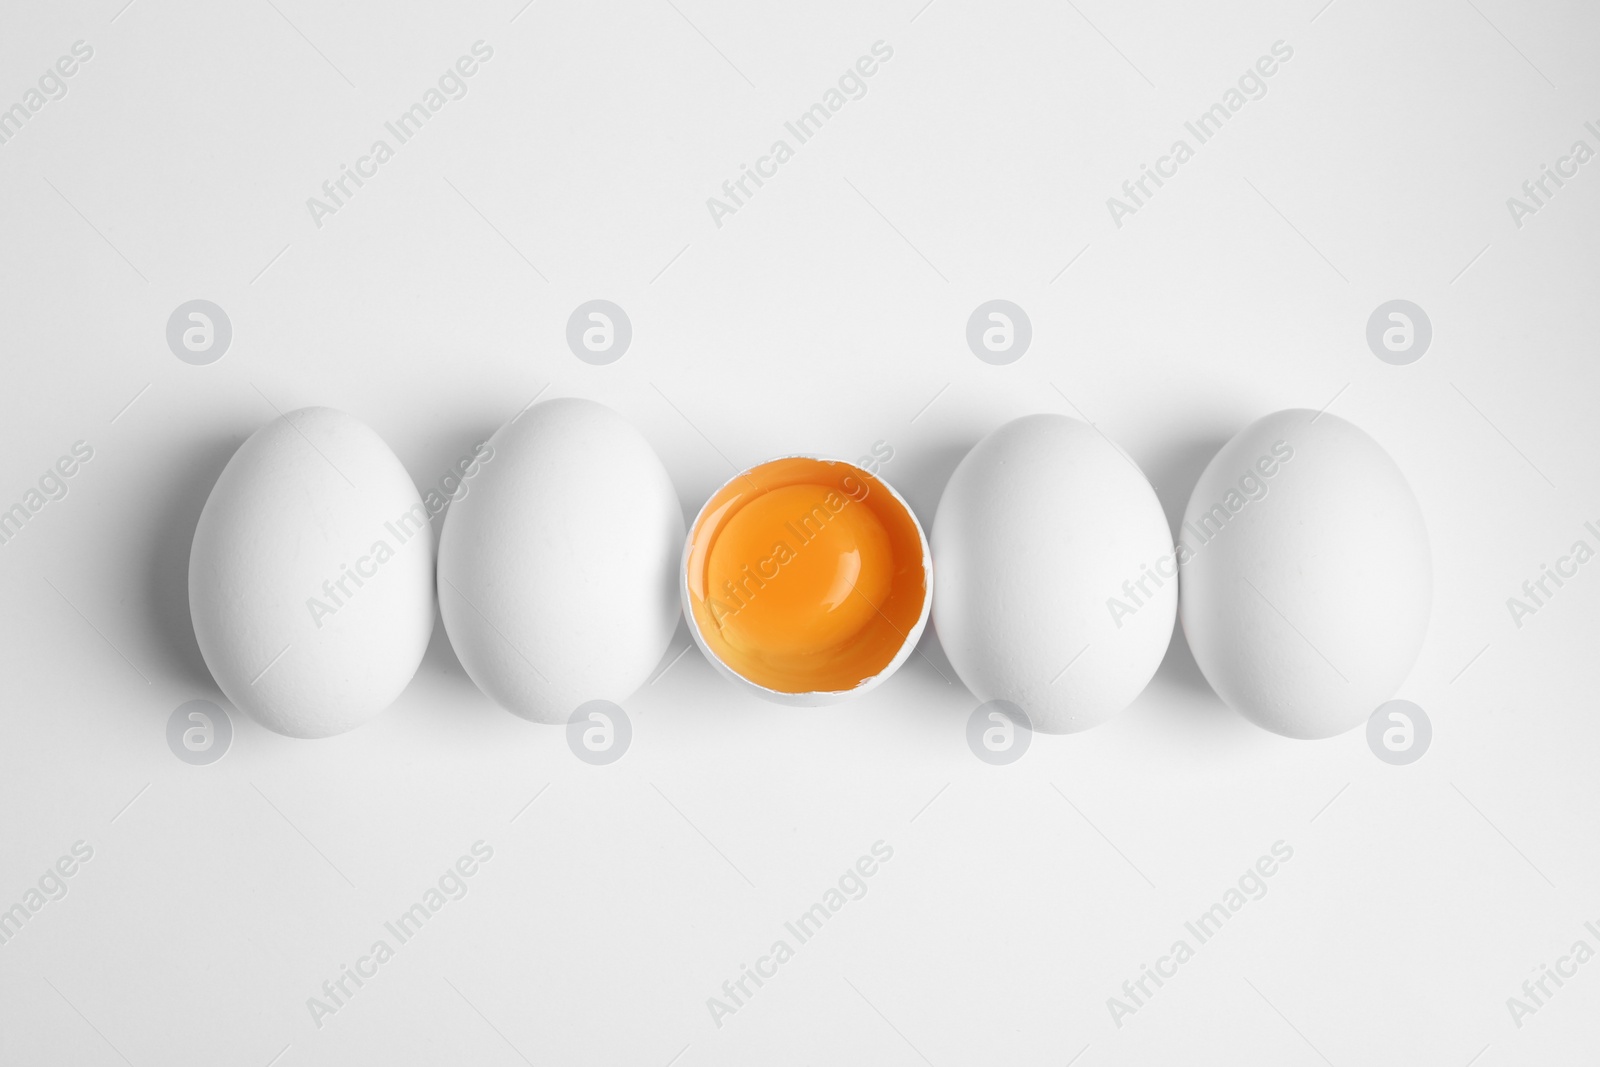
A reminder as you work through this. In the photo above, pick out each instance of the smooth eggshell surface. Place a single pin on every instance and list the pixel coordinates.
(311, 575)
(1306, 575)
(558, 572)
(1038, 530)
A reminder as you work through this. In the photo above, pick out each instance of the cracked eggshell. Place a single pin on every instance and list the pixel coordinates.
(813, 698)
(1038, 530)
(1307, 577)
(558, 571)
(311, 575)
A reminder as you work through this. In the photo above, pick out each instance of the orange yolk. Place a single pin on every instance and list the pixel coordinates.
(806, 575)
(798, 577)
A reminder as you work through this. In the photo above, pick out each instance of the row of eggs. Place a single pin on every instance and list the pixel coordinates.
(561, 576)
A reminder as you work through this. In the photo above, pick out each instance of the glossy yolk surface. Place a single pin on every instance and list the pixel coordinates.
(806, 575)
(791, 575)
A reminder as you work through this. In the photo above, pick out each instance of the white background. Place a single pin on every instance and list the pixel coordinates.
(823, 316)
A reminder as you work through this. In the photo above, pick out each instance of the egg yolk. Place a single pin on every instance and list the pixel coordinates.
(806, 575)
(797, 575)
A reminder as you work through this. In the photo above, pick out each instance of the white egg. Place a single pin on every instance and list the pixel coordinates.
(311, 575)
(1056, 585)
(558, 572)
(1306, 574)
